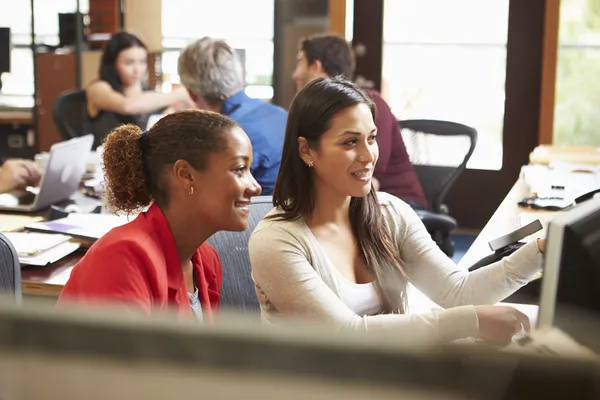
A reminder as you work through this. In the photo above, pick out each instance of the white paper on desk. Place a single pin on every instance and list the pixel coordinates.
(87, 226)
(30, 243)
(49, 256)
(543, 180)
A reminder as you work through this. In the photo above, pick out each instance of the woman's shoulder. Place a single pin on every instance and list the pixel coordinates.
(274, 221)
(98, 84)
(391, 204)
(397, 213)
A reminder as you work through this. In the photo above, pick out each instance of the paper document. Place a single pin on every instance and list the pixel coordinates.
(15, 222)
(30, 243)
(82, 226)
(49, 256)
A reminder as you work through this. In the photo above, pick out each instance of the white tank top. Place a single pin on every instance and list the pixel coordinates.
(361, 298)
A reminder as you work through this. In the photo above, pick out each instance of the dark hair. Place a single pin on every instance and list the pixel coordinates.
(333, 51)
(309, 117)
(134, 164)
(118, 42)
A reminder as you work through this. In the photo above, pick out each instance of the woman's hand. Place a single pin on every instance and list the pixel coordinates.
(541, 245)
(498, 324)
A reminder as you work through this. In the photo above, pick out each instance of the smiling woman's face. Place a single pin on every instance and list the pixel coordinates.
(347, 152)
(226, 185)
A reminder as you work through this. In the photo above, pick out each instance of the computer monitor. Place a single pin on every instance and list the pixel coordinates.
(67, 29)
(570, 292)
(5, 48)
(47, 353)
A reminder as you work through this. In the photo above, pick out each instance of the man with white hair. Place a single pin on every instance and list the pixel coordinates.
(213, 75)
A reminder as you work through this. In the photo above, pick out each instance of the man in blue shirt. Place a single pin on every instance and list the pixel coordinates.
(213, 75)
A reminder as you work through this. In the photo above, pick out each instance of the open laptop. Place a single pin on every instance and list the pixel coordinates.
(66, 165)
(153, 119)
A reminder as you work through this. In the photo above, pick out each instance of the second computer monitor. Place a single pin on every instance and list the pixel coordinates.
(570, 295)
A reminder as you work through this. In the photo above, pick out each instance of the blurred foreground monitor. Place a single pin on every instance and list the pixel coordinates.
(51, 354)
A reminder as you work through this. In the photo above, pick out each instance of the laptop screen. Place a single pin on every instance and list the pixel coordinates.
(152, 119)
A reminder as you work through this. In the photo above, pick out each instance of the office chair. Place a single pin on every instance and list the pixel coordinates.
(237, 290)
(70, 114)
(439, 152)
(10, 269)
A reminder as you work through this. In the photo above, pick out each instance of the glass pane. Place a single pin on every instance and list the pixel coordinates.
(435, 68)
(349, 20)
(576, 115)
(250, 29)
(20, 79)
(244, 19)
(17, 16)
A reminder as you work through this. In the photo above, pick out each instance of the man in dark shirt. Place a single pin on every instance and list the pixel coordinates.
(213, 75)
(330, 55)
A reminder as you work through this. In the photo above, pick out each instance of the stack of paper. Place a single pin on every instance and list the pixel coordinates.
(87, 227)
(40, 249)
(16, 222)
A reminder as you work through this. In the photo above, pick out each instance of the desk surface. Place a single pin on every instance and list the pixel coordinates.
(505, 220)
(49, 281)
(16, 109)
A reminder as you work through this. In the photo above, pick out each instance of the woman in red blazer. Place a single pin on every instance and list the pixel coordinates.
(192, 169)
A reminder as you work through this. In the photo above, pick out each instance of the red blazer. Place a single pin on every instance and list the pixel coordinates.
(136, 265)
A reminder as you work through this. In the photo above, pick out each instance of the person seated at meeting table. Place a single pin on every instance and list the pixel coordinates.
(337, 251)
(192, 169)
(213, 74)
(328, 55)
(17, 174)
(119, 96)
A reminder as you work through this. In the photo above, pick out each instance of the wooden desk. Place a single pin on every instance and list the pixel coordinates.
(48, 280)
(23, 117)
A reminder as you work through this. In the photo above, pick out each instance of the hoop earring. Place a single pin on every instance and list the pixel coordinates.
(191, 190)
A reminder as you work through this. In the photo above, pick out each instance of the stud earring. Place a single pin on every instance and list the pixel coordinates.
(191, 190)
(311, 164)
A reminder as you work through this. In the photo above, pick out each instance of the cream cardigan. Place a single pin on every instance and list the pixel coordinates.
(293, 277)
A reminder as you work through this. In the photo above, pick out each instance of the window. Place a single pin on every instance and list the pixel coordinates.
(576, 112)
(249, 28)
(447, 60)
(17, 16)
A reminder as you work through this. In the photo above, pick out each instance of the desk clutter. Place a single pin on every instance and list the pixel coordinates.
(40, 249)
(560, 185)
(40, 243)
(84, 227)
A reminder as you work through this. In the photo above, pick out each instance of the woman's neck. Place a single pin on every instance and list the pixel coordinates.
(186, 240)
(330, 206)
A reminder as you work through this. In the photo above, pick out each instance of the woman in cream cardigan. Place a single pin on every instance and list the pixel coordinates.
(336, 251)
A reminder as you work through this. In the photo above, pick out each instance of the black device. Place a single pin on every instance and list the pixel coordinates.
(507, 244)
(67, 29)
(5, 49)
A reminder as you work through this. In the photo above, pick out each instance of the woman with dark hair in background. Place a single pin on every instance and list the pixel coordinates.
(192, 169)
(337, 251)
(118, 96)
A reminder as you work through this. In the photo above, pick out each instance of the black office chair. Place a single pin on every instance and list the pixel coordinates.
(439, 152)
(237, 291)
(10, 269)
(70, 114)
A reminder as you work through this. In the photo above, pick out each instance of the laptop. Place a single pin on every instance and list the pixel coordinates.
(66, 165)
(153, 119)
